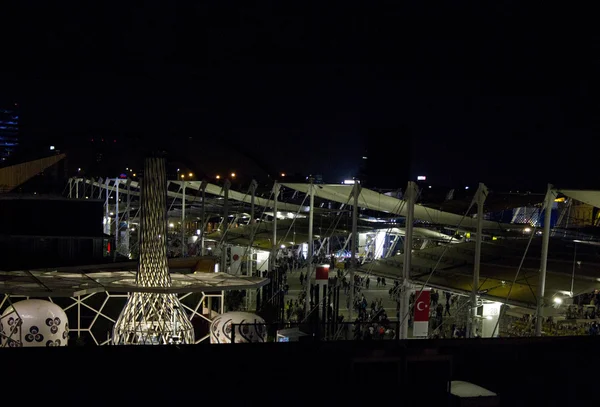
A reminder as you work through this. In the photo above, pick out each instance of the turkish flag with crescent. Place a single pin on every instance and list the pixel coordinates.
(422, 301)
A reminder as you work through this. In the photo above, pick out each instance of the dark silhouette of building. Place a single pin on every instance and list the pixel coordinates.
(50, 231)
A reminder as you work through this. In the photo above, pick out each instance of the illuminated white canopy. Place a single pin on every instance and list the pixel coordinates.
(374, 200)
(213, 189)
(217, 190)
(586, 196)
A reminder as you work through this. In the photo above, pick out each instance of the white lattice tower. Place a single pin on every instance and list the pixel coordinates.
(153, 318)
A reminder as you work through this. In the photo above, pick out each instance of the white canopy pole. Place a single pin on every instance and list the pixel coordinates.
(249, 251)
(479, 199)
(203, 216)
(183, 239)
(548, 202)
(273, 256)
(117, 183)
(410, 197)
(225, 227)
(354, 244)
(311, 193)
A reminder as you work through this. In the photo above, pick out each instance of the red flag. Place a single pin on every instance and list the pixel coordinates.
(422, 301)
(322, 272)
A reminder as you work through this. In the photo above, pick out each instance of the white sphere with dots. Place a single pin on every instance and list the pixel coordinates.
(34, 323)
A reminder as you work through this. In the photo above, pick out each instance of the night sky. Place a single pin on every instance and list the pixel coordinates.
(497, 94)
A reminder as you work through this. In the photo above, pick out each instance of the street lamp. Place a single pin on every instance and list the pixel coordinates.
(233, 175)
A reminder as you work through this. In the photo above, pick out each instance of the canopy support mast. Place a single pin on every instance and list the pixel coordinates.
(479, 199)
(354, 244)
(548, 201)
(410, 197)
(311, 249)
(273, 256)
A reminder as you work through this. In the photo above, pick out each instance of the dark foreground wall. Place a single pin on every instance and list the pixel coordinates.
(31, 216)
(545, 372)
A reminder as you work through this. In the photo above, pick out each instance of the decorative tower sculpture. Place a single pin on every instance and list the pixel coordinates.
(151, 318)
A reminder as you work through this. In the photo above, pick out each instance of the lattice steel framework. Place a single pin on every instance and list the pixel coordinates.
(92, 316)
(150, 318)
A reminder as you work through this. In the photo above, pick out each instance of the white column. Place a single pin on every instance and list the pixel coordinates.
(117, 182)
(548, 202)
(479, 199)
(249, 250)
(274, 248)
(202, 217)
(353, 245)
(183, 241)
(106, 209)
(223, 267)
(252, 225)
(410, 197)
(311, 248)
(128, 211)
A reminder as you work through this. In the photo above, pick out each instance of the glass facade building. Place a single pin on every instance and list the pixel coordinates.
(9, 132)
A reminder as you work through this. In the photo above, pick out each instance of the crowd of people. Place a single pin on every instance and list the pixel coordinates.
(525, 326)
(371, 320)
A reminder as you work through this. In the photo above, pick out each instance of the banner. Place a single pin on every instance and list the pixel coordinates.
(421, 320)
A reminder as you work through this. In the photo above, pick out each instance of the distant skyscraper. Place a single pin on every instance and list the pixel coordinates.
(9, 132)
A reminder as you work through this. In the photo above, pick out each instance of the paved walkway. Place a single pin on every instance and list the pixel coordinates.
(372, 294)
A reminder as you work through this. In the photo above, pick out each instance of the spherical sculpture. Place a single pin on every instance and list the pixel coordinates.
(33, 323)
(248, 328)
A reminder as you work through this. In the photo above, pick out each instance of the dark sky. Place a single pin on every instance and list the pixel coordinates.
(500, 94)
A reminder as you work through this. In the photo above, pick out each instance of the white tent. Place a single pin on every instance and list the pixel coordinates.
(586, 196)
(374, 200)
(213, 189)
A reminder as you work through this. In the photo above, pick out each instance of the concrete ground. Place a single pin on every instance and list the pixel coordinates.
(372, 294)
